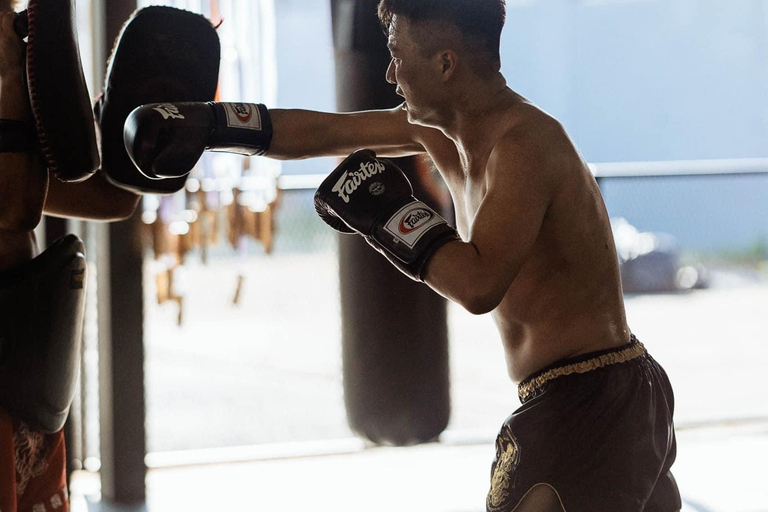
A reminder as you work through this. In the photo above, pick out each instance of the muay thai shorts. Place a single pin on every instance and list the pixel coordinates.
(597, 430)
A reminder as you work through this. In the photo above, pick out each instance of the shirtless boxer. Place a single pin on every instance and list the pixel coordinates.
(533, 246)
(32, 462)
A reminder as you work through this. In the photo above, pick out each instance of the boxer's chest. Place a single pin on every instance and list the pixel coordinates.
(468, 189)
(466, 178)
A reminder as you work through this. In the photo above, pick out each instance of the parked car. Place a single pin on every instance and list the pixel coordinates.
(650, 262)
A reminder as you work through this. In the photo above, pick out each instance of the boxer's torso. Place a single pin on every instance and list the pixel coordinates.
(566, 299)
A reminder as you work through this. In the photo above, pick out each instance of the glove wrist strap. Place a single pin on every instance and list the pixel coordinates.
(411, 235)
(244, 128)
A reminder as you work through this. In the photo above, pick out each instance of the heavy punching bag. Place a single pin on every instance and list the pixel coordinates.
(394, 330)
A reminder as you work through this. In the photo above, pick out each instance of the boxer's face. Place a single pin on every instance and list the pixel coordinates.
(411, 71)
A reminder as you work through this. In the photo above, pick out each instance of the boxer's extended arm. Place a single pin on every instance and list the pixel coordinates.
(305, 134)
(477, 273)
(165, 140)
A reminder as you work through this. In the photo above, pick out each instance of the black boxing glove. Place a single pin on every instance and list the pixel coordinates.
(165, 140)
(373, 197)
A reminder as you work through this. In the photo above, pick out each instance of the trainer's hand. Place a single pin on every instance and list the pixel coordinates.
(372, 197)
(165, 140)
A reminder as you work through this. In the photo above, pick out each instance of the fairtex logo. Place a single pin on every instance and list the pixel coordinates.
(414, 219)
(351, 181)
(169, 110)
(242, 111)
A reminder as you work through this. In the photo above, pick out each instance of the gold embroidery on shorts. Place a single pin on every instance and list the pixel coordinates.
(502, 474)
(528, 387)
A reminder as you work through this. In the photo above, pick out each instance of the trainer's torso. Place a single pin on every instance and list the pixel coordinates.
(566, 299)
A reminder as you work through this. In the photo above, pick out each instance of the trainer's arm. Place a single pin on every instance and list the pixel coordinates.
(23, 178)
(92, 199)
(302, 134)
(477, 272)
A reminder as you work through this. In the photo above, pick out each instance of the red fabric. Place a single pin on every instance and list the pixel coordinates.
(33, 475)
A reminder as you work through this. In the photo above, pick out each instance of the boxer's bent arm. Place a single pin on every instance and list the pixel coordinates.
(477, 273)
(302, 134)
(92, 199)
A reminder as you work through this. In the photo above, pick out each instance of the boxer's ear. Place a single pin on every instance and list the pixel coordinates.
(448, 63)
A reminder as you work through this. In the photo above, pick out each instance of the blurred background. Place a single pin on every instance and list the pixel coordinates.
(243, 388)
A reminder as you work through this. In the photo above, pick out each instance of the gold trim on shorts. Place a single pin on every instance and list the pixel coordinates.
(531, 385)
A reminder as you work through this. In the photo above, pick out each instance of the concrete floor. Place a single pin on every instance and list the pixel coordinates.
(257, 378)
(719, 469)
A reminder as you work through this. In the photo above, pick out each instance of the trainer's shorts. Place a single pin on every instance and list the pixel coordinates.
(597, 429)
(32, 469)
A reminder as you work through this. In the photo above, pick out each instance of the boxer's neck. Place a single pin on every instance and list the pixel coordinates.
(474, 126)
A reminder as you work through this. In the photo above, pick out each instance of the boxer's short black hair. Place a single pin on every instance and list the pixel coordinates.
(478, 21)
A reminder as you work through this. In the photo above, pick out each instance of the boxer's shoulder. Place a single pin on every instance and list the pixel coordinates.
(530, 147)
(535, 147)
(533, 133)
